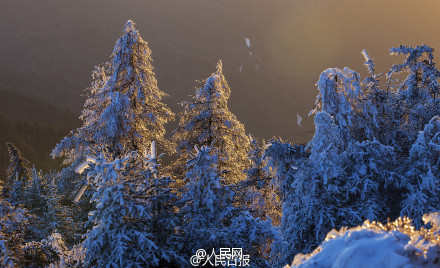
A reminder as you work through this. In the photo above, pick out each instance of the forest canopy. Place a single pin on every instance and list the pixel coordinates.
(114, 202)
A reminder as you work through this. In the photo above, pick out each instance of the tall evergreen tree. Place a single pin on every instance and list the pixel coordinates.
(340, 95)
(12, 229)
(417, 94)
(161, 204)
(124, 111)
(207, 121)
(382, 109)
(17, 176)
(210, 221)
(207, 203)
(119, 237)
(422, 73)
(58, 217)
(423, 175)
(35, 203)
(342, 179)
(262, 195)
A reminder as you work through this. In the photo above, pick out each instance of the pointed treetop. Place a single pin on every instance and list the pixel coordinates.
(251, 138)
(129, 26)
(219, 67)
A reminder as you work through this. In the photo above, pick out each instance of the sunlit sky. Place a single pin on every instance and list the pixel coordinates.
(292, 41)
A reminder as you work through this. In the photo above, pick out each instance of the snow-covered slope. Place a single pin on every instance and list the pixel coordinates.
(396, 244)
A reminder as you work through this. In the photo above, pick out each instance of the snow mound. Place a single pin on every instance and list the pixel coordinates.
(396, 244)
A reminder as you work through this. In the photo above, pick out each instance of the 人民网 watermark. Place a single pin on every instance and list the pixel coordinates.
(225, 257)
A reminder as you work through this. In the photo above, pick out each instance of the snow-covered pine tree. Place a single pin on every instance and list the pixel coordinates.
(423, 175)
(341, 183)
(35, 203)
(124, 111)
(208, 203)
(119, 237)
(373, 186)
(69, 183)
(284, 159)
(376, 106)
(261, 196)
(340, 95)
(418, 92)
(207, 121)
(254, 236)
(313, 188)
(382, 109)
(17, 176)
(327, 148)
(210, 221)
(161, 205)
(57, 216)
(371, 82)
(422, 73)
(56, 242)
(12, 229)
(49, 252)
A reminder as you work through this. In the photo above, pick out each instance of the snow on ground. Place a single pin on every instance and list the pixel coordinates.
(395, 244)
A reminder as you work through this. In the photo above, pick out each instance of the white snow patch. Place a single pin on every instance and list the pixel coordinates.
(80, 169)
(80, 193)
(433, 218)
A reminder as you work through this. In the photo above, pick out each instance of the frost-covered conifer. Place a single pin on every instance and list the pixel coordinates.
(207, 121)
(340, 95)
(161, 204)
(119, 237)
(418, 92)
(313, 188)
(422, 73)
(17, 175)
(46, 213)
(12, 228)
(57, 217)
(124, 111)
(162, 207)
(49, 252)
(373, 185)
(35, 202)
(285, 159)
(423, 175)
(335, 185)
(55, 241)
(382, 111)
(377, 110)
(254, 236)
(372, 81)
(327, 147)
(208, 203)
(211, 221)
(261, 194)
